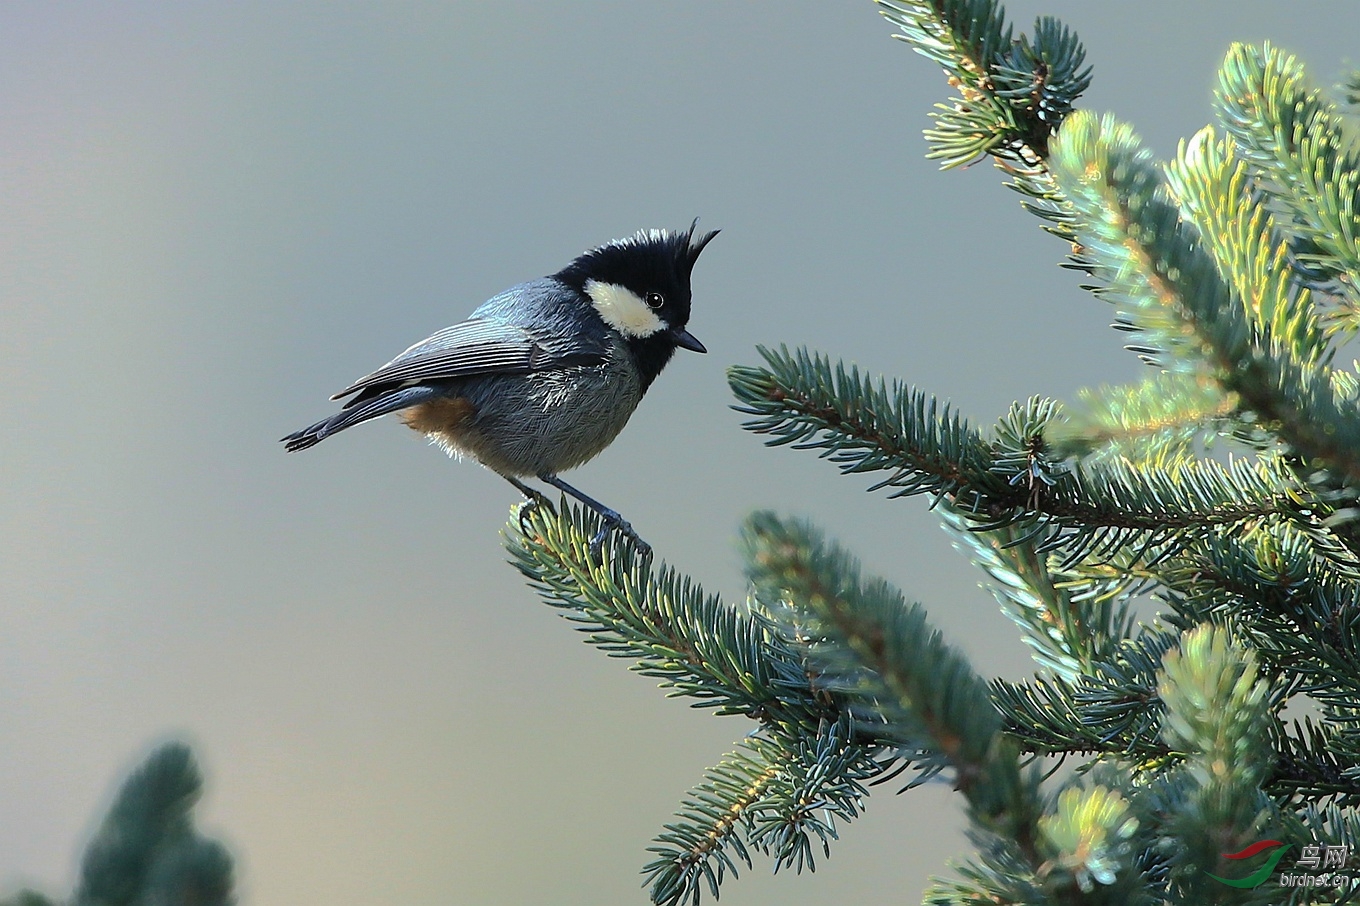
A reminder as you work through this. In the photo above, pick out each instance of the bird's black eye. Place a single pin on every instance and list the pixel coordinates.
(655, 300)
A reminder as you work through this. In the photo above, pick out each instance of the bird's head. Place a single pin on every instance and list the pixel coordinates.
(640, 287)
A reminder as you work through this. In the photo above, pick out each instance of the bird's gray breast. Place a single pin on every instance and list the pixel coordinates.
(547, 421)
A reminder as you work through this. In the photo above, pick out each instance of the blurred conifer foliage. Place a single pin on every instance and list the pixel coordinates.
(1234, 271)
(147, 852)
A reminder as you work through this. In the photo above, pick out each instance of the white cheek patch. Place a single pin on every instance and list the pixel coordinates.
(623, 310)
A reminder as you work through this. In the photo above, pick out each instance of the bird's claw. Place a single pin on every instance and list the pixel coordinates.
(532, 501)
(623, 528)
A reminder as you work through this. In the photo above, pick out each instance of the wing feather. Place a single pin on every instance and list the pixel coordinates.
(473, 347)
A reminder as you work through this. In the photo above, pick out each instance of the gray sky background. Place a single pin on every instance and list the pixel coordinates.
(215, 215)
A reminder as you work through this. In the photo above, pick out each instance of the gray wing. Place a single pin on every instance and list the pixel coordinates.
(476, 346)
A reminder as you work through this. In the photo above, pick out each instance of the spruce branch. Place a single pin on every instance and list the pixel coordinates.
(705, 845)
(1112, 709)
(1217, 711)
(782, 791)
(1158, 419)
(1146, 256)
(1301, 152)
(1213, 191)
(732, 661)
(902, 670)
(1331, 824)
(966, 38)
(864, 632)
(863, 426)
(1152, 261)
(1013, 94)
(1217, 714)
(1024, 587)
(1315, 763)
(824, 780)
(147, 851)
(1090, 835)
(1069, 623)
(1299, 614)
(779, 796)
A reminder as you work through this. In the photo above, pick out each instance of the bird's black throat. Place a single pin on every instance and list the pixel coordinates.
(650, 355)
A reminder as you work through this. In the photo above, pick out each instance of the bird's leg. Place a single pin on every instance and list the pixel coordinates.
(611, 518)
(532, 499)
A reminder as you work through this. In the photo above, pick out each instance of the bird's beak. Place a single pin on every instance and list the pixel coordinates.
(686, 340)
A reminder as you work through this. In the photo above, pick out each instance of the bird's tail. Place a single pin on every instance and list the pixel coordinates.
(379, 405)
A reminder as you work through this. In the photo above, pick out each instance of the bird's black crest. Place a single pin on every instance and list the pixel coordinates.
(681, 248)
(687, 247)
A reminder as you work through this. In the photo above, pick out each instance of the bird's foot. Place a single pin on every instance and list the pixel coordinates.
(611, 520)
(617, 523)
(533, 499)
